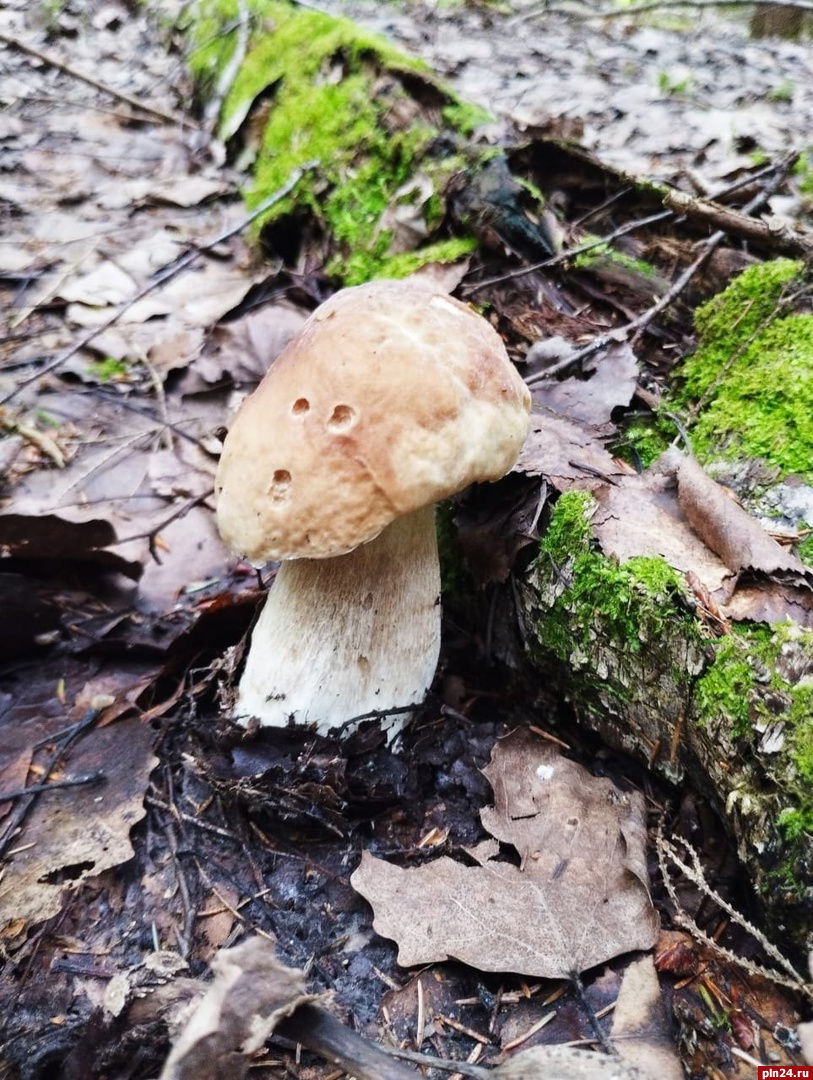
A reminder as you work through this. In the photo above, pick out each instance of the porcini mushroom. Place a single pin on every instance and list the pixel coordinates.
(392, 397)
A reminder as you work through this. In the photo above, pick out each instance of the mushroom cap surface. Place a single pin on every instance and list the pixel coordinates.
(393, 395)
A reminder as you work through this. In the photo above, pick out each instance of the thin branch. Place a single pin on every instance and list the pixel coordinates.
(633, 226)
(781, 238)
(211, 112)
(655, 5)
(152, 534)
(571, 253)
(39, 789)
(64, 740)
(165, 275)
(638, 324)
(80, 76)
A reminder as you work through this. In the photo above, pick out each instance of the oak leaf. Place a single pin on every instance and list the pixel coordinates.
(571, 894)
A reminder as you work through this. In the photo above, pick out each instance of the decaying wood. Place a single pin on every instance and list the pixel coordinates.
(767, 236)
(642, 701)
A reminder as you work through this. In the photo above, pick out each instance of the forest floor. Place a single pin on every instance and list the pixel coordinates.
(133, 303)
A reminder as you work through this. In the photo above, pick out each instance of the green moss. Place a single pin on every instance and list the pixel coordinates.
(322, 90)
(465, 118)
(569, 532)
(674, 87)
(803, 171)
(783, 92)
(443, 251)
(805, 549)
(603, 253)
(455, 577)
(750, 379)
(745, 689)
(724, 690)
(108, 370)
(628, 604)
(796, 823)
(644, 439)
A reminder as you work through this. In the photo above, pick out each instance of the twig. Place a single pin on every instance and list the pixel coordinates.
(571, 253)
(140, 410)
(379, 714)
(160, 398)
(211, 112)
(44, 443)
(189, 819)
(640, 223)
(152, 534)
(622, 333)
(654, 5)
(319, 1030)
(97, 777)
(640, 322)
(64, 740)
(780, 238)
(165, 275)
(601, 1035)
(80, 76)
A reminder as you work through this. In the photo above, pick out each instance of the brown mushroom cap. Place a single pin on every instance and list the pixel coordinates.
(392, 396)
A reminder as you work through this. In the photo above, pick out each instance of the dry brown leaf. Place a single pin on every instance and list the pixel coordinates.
(566, 453)
(559, 1063)
(640, 515)
(642, 1033)
(578, 897)
(612, 376)
(770, 602)
(677, 511)
(122, 484)
(243, 350)
(72, 833)
(723, 525)
(251, 993)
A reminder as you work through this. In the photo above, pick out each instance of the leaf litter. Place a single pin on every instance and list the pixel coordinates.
(577, 898)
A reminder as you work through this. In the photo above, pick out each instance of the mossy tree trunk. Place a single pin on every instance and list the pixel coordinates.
(729, 716)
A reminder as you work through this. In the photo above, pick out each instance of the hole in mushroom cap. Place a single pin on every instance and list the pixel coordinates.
(342, 418)
(300, 406)
(280, 485)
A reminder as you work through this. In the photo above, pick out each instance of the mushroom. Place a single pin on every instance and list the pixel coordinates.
(392, 397)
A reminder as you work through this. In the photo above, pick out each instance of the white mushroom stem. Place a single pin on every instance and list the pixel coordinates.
(348, 636)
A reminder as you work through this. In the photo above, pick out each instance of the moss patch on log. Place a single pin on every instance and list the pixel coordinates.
(746, 392)
(752, 372)
(313, 88)
(734, 712)
(597, 609)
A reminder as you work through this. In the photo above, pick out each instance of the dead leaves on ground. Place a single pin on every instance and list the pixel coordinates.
(571, 894)
(673, 509)
(66, 834)
(253, 995)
